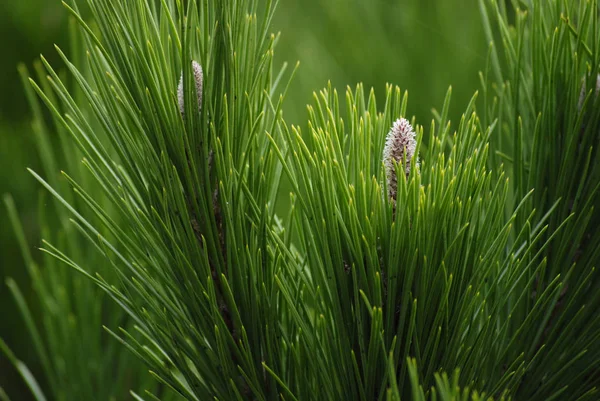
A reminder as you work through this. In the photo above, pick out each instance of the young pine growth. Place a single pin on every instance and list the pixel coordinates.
(198, 79)
(400, 143)
(337, 300)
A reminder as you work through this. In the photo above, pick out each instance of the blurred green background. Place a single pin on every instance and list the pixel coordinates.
(421, 45)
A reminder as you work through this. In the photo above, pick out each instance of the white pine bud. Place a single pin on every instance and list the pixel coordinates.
(400, 141)
(583, 93)
(198, 78)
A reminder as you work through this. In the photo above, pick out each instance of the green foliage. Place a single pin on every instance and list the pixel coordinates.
(445, 389)
(348, 294)
(176, 184)
(78, 360)
(548, 125)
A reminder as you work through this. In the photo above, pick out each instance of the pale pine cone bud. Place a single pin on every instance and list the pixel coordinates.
(583, 93)
(198, 78)
(400, 141)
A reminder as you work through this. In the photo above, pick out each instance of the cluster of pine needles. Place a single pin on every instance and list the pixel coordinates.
(361, 255)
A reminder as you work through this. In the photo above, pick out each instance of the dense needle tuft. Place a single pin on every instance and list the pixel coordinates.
(400, 142)
(198, 79)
